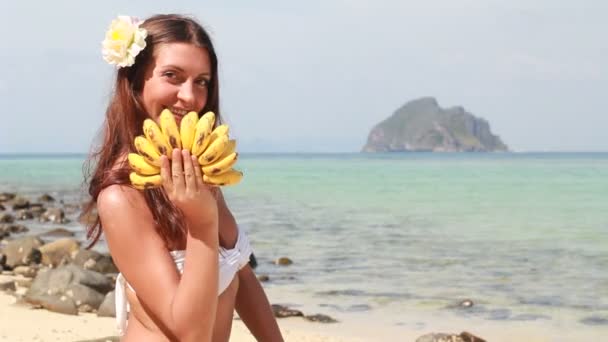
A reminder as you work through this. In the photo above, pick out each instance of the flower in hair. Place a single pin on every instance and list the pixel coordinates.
(124, 40)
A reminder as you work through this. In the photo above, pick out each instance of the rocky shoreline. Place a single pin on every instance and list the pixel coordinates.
(52, 270)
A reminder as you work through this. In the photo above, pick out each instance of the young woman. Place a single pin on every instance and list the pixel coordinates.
(183, 260)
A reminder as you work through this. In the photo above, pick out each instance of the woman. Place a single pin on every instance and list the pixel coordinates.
(165, 241)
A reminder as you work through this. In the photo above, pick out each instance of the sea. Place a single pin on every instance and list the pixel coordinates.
(391, 238)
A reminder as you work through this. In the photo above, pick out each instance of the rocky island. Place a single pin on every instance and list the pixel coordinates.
(422, 125)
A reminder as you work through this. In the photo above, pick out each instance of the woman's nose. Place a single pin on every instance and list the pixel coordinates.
(186, 93)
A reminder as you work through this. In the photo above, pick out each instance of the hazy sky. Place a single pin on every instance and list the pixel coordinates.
(318, 75)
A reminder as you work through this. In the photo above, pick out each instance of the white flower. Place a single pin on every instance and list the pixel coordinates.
(124, 40)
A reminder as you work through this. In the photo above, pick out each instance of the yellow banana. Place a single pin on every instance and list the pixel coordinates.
(141, 166)
(154, 134)
(214, 151)
(144, 182)
(187, 128)
(147, 150)
(170, 130)
(202, 133)
(228, 178)
(221, 166)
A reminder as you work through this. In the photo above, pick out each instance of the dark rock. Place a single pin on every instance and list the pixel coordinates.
(421, 125)
(13, 228)
(320, 318)
(283, 261)
(46, 198)
(281, 311)
(37, 210)
(60, 304)
(6, 196)
(23, 214)
(6, 218)
(263, 278)
(95, 261)
(594, 320)
(468, 337)
(20, 203)
(22, 251)
(57, 232)
(107, 307)
(54, 215)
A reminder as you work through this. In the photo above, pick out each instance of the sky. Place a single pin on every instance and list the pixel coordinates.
(316, 76)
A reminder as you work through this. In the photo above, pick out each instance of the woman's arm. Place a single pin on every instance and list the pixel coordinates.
(251, 302)
(183, 307)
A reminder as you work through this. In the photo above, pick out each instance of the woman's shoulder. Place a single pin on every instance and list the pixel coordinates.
(118, 200)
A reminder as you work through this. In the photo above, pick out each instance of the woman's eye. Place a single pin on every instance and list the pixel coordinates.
(203, 82)
(169, 74)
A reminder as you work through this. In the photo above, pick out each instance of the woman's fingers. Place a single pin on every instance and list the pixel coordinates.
(177, 171)
(165, 174)
(189, 175)
(198, 173)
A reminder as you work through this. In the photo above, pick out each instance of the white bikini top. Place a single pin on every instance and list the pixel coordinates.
(230, 262)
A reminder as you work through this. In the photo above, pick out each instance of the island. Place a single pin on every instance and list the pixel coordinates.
(422, 125)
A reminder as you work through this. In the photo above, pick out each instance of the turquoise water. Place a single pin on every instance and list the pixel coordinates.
(525, 236)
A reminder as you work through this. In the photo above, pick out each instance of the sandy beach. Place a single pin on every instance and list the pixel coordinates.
(22, 323)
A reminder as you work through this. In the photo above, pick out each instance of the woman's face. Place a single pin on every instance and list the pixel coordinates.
(177, 79)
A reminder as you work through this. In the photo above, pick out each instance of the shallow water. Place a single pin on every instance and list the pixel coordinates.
(525, 236)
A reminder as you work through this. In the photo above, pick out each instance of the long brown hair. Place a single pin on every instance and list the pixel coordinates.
(124, 119)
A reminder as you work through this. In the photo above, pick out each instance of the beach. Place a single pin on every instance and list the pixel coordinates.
(390, 246)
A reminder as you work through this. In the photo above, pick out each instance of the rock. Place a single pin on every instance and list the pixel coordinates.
(37, 210)
(82, 295)
(85, 308)
(24, 214)
(88, 219)
(59, 251)
(6, 218)
(57, 232)
(26, 271)
(23, 281)
(6, 196)
(107, 307)
(13, 228)
(281, 311)
(283, 261)
(60, 304)
(2, 207)
(54, 215)
(263, 278)
(421, 125)
(52, 281)
(467, 303)
(78, 285)
(22, 251)
(7, 284)
(439, 338)
(468, 337)
(20, 203)
(46, 198)
(95, 261)
(320, 318)
(104, 339)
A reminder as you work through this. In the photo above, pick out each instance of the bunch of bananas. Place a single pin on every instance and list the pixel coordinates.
(215, 151)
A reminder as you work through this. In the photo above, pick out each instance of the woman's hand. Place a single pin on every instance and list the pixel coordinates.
(183, 182)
